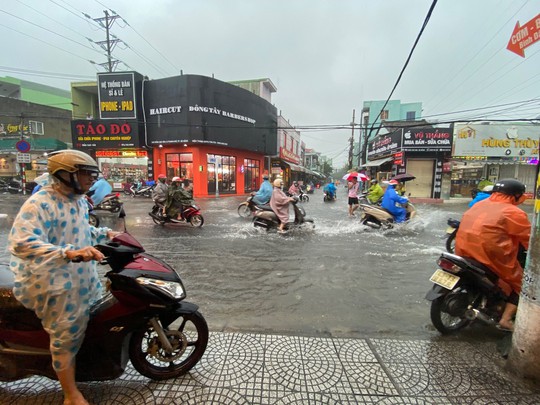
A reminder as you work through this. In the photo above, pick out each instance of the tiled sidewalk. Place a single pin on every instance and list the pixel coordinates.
(268, 369)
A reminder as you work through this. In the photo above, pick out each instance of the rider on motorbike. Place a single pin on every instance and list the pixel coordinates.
(391, 199)
(375, 192)
(294, 189)
(50, 230)
(265, 192)
(492, 232)
(177, 197)
(330, 190)
(481, 195)
(159, 193)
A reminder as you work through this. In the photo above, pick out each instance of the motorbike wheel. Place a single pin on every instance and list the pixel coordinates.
(188, 336)
(244, 211)
(93, 220)
(451, 242)
(127, 192)
(444, 322)
(305, 198)
(196, 220)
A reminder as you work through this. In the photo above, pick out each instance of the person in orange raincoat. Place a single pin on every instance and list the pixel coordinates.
(491, 232)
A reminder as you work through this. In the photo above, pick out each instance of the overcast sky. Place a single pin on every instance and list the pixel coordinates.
(325, 57)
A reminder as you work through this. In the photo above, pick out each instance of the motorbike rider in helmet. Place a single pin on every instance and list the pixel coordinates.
(491, 233)
(294, 189)
(50, 230)
(159, 193)
(177, 197)
(391, 198)
(265, 192)
(375, 192)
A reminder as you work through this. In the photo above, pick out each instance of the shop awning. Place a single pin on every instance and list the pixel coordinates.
(296, 168)
(38, 144)
(375, 163)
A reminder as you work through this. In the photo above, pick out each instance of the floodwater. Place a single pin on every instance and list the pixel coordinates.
(339, 279)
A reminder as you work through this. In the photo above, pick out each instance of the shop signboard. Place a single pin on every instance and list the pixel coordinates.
(500, 140)
(118, 95)
(427, 139)
(384, 145)
(95, 134)
(202, 110)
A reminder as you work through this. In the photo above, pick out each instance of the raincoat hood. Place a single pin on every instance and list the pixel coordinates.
(505, 198)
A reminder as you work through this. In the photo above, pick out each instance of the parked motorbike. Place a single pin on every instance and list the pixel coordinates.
(464, 291)
(377, 217)
(266, 218)
(15, 186)
(451, 231)
(143, 191)
(190, 213)
(143, 319)
(248, 207)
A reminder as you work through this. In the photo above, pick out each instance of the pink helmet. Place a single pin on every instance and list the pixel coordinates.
(393, 182)
(161, 176)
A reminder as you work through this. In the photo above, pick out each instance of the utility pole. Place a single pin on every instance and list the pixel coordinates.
(23, 165)
(108, 45)
(524, 356)
(351, 141)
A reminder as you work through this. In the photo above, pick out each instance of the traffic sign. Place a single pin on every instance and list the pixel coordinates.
(524, 36)
(24, 158)
(23, 146)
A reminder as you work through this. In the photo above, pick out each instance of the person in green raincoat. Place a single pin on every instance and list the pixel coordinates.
(375, 192)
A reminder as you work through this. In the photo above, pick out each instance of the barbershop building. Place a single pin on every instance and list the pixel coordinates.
(215, 134)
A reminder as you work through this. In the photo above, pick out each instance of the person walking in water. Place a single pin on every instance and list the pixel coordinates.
(352, 186)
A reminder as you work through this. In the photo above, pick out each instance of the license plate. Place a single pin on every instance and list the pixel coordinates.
(444, 279)
(450, 229)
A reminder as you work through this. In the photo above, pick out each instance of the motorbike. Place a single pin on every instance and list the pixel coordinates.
(15, 186)
(302, 197)
(93, 219)
(111, 202)
(377, 217)
(328, 198)
(362, 199)
(451, 231)
(143, 318)
(266, 218)
(190, 213)
(248, 207)
(464, 291)
(143, 191)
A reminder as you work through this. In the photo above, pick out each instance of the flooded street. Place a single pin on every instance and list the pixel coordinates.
(340, 279)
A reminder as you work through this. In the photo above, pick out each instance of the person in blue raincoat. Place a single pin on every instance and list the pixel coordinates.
(265, 192)
(330, 190)
(391, 198)
(99, 190)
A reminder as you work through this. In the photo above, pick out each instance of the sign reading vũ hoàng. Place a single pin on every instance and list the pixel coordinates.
(511, 140)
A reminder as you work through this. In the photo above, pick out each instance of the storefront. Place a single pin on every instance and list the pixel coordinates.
(493, 151)
(212, 133)
(420, 151)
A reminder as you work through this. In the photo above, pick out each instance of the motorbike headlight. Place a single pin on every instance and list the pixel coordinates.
(170, 288)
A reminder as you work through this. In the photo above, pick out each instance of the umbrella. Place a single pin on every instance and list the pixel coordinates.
(359, 176)
(403, 177)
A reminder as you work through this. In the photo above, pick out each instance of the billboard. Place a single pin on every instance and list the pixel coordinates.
(505, 140)
(200, 109)
(91, 134)
(118, 95)
(427, 139)
(384, 145)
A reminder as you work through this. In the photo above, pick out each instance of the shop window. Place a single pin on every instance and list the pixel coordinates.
(411, 115)
(221, 169)
(251, 175)
(384, 114)
(180, 165)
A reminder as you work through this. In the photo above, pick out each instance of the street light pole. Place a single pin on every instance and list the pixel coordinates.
(351, 145)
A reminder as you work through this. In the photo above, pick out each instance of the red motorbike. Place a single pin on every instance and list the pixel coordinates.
(143, 319)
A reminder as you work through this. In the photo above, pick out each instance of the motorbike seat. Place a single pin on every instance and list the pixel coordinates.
(264, 207)
(472, 264)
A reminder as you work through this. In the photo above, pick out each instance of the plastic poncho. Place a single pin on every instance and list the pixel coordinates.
(294, 190)
(389, 201)
(491, 232)
(375, 192)
(280, 204)
(159, 193)
(99, 190)
(59, 292)
(330, 189)
(176, 198)
(264, 194)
